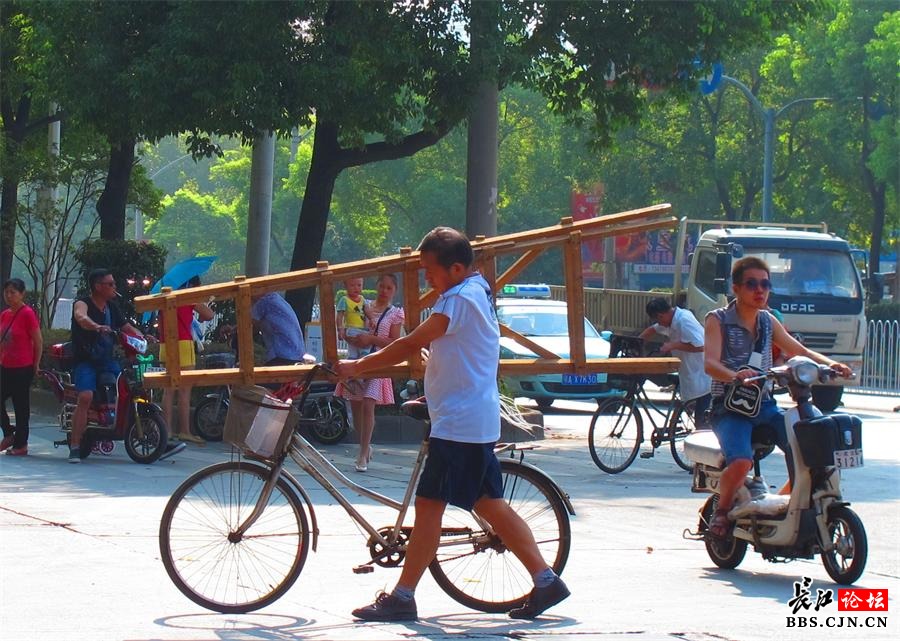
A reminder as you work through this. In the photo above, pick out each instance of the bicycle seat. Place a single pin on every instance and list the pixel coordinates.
(417, 409)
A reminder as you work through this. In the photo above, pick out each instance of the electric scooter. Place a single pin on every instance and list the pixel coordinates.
(814, 518)
(121, 409)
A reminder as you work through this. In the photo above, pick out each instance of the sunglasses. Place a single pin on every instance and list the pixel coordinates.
(752, 283)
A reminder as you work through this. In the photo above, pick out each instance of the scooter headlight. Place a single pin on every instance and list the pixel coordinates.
(805, 371)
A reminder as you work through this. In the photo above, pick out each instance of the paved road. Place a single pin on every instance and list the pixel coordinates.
(80, 560)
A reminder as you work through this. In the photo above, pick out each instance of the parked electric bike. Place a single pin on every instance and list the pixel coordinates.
(814, 519)
(325, 414)
(121, 409)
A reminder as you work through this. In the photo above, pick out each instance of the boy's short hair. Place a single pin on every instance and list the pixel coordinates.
(745, 263)
(448, 246)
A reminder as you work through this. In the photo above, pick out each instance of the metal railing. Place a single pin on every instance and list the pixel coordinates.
(881, 360)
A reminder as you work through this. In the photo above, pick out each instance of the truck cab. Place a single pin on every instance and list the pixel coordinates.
(815, 285)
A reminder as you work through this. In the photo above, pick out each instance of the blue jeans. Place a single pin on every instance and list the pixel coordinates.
(735, 432)
(84, 374)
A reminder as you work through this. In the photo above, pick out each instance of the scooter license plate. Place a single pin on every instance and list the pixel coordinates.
(848, 458)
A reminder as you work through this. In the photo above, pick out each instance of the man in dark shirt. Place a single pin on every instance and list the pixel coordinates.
(94, 318)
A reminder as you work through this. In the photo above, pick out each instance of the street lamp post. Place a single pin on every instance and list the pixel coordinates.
(769, 116)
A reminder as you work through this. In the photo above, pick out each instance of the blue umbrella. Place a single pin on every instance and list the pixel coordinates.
(181, 273)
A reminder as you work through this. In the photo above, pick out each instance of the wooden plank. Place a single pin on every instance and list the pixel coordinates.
(173, 354)
(524, 341)
(487, 265)
(575, 298)
(510, 367)
(327, 313)
(412, 308)
(516, 268)
(243, 303)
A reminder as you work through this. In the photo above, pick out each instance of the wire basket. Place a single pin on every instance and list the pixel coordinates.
(258, 423)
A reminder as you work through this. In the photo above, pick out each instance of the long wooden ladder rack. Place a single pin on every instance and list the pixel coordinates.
(568, 235)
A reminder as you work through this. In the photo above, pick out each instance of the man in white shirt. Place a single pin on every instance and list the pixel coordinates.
(464, 408)
(685, 341)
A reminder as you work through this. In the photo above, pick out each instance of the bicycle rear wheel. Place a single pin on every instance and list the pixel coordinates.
(213, 566)
(682, 425)
(474, 567)
(615, 435)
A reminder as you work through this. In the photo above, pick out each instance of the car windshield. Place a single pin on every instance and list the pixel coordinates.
(540, 321)
(798, 272)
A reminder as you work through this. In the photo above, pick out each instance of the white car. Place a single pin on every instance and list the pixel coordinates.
(546, 323)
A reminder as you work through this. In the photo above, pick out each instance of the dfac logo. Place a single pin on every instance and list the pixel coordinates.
(807, 308)
(848, 600)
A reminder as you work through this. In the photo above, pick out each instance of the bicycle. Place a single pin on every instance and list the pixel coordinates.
(234, 536)
(617, 427)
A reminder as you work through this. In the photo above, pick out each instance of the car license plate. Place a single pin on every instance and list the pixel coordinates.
(848, 458)
(579, 379)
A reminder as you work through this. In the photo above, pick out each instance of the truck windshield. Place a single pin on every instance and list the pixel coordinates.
(813, 273)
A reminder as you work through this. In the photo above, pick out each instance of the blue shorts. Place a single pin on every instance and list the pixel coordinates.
(460, 473)
(736, 432)
(84, 374)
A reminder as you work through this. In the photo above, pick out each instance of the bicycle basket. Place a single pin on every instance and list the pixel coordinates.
(259, 423)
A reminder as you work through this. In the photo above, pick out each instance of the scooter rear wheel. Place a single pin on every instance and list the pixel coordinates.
(209, 418)
(846, 562)
(329, 416)
(726, 553)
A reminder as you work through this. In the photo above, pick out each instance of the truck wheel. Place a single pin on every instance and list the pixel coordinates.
(827, 397)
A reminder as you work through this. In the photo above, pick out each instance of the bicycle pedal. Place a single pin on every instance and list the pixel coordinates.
(648, 454)
(363, 569)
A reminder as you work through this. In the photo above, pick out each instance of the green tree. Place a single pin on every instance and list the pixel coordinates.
(24, 111)
(850, 54)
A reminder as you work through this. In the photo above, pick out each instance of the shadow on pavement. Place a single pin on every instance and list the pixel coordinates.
(275, 627)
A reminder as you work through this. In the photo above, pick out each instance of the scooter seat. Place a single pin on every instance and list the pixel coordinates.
(703, 447)
(417, 409)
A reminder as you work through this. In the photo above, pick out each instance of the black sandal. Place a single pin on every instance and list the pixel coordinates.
(720, 525)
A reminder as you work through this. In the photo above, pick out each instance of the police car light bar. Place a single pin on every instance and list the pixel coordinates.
(526, 291)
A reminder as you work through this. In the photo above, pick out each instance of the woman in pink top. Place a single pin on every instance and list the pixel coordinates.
(20, 357)
(387, 321)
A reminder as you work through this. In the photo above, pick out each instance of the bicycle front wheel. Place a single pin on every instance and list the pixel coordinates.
(215, 567)
(681, 426)
(476, 569)
(615, 434)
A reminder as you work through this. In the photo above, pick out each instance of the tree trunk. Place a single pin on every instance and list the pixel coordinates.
(9, 213)
(323, 172)
(112, 202)
(259, 216)
(481, 160)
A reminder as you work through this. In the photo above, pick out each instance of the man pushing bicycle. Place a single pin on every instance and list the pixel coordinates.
(464, 408)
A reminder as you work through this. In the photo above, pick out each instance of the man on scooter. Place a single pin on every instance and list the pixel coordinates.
(739, 340)
(94, 317)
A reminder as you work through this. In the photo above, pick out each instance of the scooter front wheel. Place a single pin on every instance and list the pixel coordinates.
(146, 445)
(847, 560)
(726, 553)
